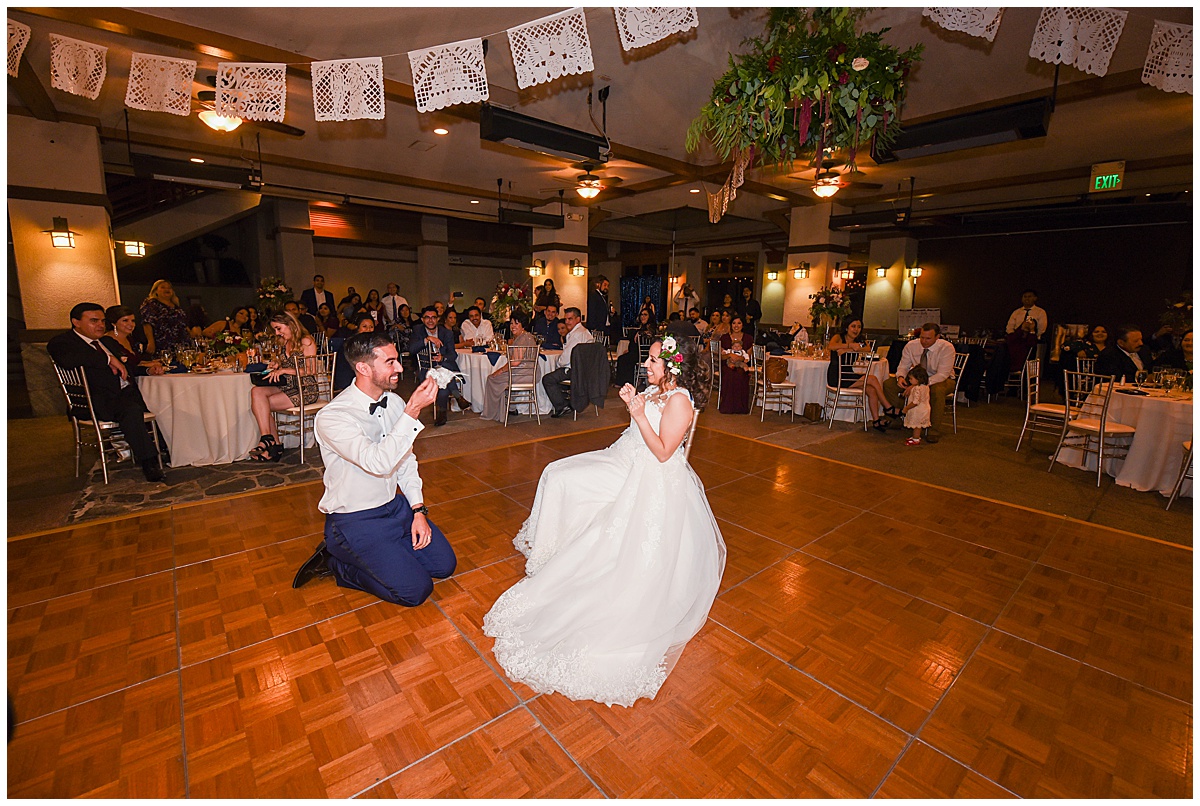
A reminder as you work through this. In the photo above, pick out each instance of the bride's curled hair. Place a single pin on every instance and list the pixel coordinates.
(695, 372)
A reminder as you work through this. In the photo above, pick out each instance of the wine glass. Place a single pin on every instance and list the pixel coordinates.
(1139, 378)
(167, 358)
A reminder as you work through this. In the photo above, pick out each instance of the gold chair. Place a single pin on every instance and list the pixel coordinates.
(779, 393)
(960, 363)
(311, 370)
(687, 438)
(1044, 417)
(1185, 472)
(1088, 398)
(855, 397)
(522, 380)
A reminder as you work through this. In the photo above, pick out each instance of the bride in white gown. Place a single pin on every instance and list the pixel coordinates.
(623, 554)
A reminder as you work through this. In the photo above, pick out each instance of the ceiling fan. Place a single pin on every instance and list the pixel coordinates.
(828, 180)
(589, 184)
(206, 103)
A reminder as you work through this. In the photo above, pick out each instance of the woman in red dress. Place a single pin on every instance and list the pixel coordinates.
(735, 368)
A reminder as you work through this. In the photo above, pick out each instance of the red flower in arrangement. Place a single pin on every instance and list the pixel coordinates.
(843, 77)
(773, 64)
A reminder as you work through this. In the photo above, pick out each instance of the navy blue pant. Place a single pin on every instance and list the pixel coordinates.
(372, 551)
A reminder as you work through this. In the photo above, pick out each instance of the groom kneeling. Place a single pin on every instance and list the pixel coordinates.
(377, 540)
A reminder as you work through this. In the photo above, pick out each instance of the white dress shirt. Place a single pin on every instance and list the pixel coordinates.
(940, 363)
(391, 306)
(685, 303)
(1019, 316)
(578, 335)
(367, 456)
(322, 298)
(701, 325)
(471, 333)
(1134, 357)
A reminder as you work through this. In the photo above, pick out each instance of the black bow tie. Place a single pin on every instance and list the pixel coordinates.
(381, 404)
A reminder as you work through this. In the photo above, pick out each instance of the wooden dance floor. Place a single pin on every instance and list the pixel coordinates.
(873, 636)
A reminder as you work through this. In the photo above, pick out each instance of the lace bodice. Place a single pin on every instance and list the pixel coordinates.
(631, 440)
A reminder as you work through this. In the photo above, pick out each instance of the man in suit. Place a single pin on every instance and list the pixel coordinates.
(1126, 359)
(430, 333)
(600, 313)
(114, 394)
(315, 296)
(546, 326)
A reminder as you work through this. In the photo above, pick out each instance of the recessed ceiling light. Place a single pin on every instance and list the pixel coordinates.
(440, 130)
(474, 201)
(197, 160)
(694, 190)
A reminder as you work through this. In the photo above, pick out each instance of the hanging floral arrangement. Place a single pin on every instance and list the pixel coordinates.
(812, 83)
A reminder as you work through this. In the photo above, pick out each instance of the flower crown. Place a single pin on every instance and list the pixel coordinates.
(671, 356)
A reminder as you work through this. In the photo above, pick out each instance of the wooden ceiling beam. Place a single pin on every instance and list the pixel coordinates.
(29, 89)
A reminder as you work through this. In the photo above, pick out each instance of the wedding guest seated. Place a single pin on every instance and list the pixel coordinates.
(552, 381)
(481, 304)
(122, 341)
(343, 373)
(255, 323)
(497, 381)
(718, 326)
(1179, 357)
(349, 306)
(476, 330)
(294, 340)
(431, 334)
(697, 322)
(563, 330)
(937, 356)
(735, 368)
(678, 326)
(1127, 358)
(798, 334)
(199, 324)
(114, 396)
(327, 320)
(449, 320)
(627, 364)
(308, 321)
(545, 325)
(1090, 347)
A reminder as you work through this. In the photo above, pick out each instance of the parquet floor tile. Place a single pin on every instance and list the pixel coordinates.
(712, 474)
(970, 580)
(128, 744)
(925, 773)
(445, 481)
(747, 553)
(88, 556)
(505, 467)
(522, 493)
(890, 653)
(1128, 634)
(1161, 571)
(480, 528)
(791, 517)
(238, 600)
(233, 525)
(69, 649)
(728, 450)
(729, 721)
(334, 708)
(991, 525)
(511, 758)
(1044, 725)
(810, 474)
(582, 443)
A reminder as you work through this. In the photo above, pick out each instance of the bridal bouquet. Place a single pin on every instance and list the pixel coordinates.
(510, 297)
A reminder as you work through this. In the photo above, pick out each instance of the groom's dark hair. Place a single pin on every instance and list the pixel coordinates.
(361, 346)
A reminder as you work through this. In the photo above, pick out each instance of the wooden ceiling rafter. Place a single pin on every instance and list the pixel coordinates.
(29, 89)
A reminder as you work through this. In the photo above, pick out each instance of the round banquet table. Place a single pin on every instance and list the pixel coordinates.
(1156, 452)
(205, 419)
(809, 375)
(476, 367)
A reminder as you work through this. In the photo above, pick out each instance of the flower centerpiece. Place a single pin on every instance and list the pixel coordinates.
(809, 85)
(227, 343)
(1178, 316)
(829, 305)
(510, 297)
(273, 294)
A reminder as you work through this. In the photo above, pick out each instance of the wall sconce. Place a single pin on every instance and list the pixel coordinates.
(801, 272)
(537, 268)
(881, 271)
(577, 269)
(61, 235)
(844, 274)
(135, 248)
(772, 274)
(914, 272)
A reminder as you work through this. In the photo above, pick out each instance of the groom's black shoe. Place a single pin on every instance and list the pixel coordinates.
(315, 566)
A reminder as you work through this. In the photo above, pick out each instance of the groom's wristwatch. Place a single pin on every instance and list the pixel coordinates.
(424, 510)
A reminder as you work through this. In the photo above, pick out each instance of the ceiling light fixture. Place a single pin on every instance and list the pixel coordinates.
(440, 130)
(537, 268)
(196, 160)
(474, 201)
(589, 186)
(217, 122)
(577, 268)
(827, 184)
(61, 235)
(694, 190)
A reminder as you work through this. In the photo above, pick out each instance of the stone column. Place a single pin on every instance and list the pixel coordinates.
(294, 245)
(887, 294)
(558, 247)
(433, 263)
(811, 242)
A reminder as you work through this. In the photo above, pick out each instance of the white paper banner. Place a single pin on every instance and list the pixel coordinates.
(1083, 37)
(252, 90)
(639, 27)
(160, 84)
(18, 38)
(1169, 59)
(551, 48)
(982, 22)
(348, 89)
(77, 67)
(449, 74)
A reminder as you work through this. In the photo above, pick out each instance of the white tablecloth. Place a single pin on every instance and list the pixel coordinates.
(477, 366)
(809, 375)
(205, 419)
(1163, 424)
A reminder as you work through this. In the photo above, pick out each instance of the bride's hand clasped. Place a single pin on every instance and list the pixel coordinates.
(637, 406)
(627, 393)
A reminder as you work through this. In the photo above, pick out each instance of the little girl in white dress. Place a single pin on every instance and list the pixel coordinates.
(916, 407)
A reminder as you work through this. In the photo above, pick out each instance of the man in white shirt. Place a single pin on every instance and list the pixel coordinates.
(685, 299)
(577, 333)
(391, 304)
(476, 329)
(315, 297)
(1028, 311)
(937, 356)
(693, 316)
(378, 537)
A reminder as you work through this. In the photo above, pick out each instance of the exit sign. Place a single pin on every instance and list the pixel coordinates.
(1107, 176)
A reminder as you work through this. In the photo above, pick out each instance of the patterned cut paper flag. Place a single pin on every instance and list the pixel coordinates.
(449, 74)
(160, 84)
(551, 48)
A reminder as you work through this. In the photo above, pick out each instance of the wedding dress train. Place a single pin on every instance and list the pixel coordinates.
(623, 561)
